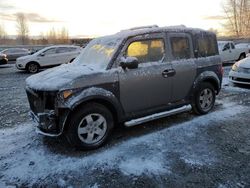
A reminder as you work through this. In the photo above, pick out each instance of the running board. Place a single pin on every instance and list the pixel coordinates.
(157, 116)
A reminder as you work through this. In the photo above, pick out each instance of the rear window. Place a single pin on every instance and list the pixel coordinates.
(206, 46)
(180, 47)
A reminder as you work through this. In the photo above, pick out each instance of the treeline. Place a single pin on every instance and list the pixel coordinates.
(237, 18)
(53, 36)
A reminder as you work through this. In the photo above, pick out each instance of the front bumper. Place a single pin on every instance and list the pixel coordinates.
(20, 66)
(239, 77)
(4, 61)
(46, 123)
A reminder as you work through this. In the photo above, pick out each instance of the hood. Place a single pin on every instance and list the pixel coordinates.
(244, 63)
(59, 77)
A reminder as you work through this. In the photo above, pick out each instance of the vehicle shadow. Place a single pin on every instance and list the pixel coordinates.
(5, 66)
(120, 134)
(243, 86)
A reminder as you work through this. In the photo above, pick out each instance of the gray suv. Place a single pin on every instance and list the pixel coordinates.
(128, 78)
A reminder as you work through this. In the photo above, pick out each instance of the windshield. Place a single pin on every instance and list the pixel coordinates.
(99, 52)
(221, 45)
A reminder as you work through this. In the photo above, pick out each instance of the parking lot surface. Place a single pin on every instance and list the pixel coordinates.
(182, 150)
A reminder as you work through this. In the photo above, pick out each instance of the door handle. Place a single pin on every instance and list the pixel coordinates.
(168, 73)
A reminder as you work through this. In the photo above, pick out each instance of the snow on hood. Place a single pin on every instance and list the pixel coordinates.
(58, 77)
(244, 63)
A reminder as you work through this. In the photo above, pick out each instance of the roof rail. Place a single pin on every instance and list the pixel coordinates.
(144, 27)
(141, 27)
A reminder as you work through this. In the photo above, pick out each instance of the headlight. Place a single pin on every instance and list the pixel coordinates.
(66, 94)
(235, 67)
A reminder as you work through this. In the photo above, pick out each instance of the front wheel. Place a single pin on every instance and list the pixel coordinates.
(204, 98)
(32, 67)
(90, 126)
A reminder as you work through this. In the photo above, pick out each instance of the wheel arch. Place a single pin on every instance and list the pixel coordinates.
(242, 54)
(209, 77)
(116, 112)
(96, 95)
(26, 66)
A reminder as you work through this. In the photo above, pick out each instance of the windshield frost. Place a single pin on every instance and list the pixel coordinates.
(99, 52)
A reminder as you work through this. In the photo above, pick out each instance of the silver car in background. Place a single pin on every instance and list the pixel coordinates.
(240, 72)
(48, 57)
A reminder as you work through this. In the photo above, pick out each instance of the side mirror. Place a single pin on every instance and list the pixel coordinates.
(129, 62)
(42, 54)
(224, 49)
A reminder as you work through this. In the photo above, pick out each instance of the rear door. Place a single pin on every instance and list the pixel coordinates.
(149, 86)
(182, 61)
(64, 54)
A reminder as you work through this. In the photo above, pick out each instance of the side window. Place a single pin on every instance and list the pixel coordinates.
(146, 50)
(63, 50)
(71, 49)
(180, 47)
(50, 51)
(226, 47)
(232, 46)
(206, 46)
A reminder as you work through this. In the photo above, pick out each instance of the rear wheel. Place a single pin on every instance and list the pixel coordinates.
(32, 67)
(204, 98)
(242, 56)
(90, 126)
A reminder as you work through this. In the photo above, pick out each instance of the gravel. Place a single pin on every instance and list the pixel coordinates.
(178, 151)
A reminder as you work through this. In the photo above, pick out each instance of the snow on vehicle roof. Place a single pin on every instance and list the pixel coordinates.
(153, 29)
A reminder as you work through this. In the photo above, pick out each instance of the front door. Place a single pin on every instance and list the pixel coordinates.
(49, 57)
(149, 86)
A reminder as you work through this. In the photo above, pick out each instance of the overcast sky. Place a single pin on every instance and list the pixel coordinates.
(101, 17)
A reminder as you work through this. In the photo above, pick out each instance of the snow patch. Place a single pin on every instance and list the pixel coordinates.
(27, 159)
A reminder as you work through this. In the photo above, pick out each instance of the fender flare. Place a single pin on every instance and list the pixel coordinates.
(208, 76)
(96, 94)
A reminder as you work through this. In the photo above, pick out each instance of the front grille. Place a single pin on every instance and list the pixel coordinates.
(241, 79)
(41, 100)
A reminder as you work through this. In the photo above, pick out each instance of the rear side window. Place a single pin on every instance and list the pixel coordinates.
(62, 50)
(146, 50)
(206, 46)
(180, 47)
(50, 51)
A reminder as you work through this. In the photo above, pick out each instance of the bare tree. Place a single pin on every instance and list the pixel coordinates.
(64, 36)
(60, 36)
(22, 28)
(2, 34)
(237, 14)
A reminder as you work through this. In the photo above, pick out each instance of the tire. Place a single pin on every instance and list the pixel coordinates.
(204, 98)
(90, 127)
(242, 56)
(32, 67)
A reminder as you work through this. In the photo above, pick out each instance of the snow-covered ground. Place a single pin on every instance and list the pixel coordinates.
(196, 151)
(25, 158)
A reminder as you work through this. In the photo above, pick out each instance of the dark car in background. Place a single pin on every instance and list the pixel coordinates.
(13, 53)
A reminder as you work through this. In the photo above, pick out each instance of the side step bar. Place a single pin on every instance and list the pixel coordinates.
(152, 117)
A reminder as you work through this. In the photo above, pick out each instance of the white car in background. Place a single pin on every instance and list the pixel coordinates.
(229, 53)
(240, 72)
(48, 57)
